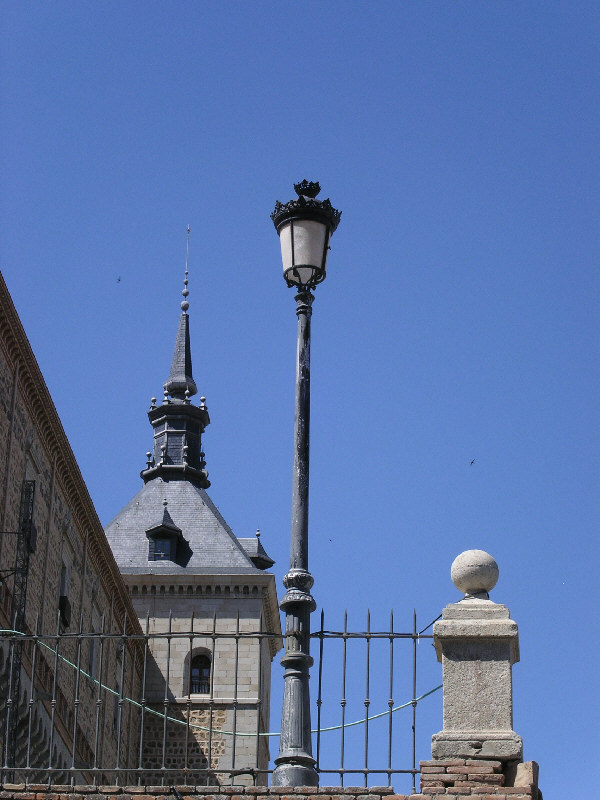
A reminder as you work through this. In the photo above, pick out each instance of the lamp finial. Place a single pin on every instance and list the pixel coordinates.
(307, 188)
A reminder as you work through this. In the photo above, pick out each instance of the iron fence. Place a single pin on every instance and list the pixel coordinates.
(192, 706)
(354, 662)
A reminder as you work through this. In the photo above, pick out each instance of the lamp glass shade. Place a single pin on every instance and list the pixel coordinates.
(304, 251)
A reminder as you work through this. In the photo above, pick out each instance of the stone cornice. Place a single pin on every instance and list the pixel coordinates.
(36, 397)
(215, 587)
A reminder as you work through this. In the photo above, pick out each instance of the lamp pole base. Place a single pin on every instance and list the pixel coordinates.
(294, 775)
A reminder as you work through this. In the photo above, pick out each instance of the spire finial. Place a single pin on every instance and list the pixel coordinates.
(184, 303)
(180, 376)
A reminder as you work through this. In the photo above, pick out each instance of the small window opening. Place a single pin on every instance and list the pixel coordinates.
(200, 675)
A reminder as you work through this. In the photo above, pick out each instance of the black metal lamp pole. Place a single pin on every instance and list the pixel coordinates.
(305, 226)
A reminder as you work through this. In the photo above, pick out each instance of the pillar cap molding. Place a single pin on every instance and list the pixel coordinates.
(497, 745)
(476, 621)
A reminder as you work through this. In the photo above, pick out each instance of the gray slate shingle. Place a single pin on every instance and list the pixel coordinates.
(215, 550)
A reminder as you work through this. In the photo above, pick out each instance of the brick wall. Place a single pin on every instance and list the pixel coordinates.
(480, 779)
(479, 792)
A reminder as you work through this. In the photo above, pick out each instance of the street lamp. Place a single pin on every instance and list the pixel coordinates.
(305, 226)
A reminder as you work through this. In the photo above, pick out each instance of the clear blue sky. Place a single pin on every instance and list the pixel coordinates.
(459, 319)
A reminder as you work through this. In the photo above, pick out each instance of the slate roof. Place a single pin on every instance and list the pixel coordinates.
(180, 377)
(213, 547)
(256, 552)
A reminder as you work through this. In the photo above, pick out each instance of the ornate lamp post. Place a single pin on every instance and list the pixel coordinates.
(304, 226)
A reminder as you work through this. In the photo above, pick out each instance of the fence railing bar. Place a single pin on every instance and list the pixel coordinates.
(366, 635)
(32, 692)
(120, 701)
(391, 696)
(367, 695)
(343, 702)
(9, 694)
(54, 690)
(258, 705)
(77, 689)
(235, 683)
(143, 698)
(24, 637)
(212, 689)
(189, 698)
(320, 691)
(130, 748)
(414, 702)
(99, 695)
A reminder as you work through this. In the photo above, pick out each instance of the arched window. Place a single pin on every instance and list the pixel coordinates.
(200, 675)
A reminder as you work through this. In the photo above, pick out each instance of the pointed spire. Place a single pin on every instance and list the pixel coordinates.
(180, 383)
(178, 424)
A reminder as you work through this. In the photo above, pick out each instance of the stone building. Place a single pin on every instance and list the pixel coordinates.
(57, 576)
(204, 597)
(88, 685)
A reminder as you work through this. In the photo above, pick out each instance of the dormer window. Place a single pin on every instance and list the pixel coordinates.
(163, 538)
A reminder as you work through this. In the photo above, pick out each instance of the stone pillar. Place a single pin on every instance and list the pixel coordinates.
(477, 643)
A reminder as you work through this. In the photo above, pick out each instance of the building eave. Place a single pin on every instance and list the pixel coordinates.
(52, 436)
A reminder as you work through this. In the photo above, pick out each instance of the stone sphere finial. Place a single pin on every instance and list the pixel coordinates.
(474, 572)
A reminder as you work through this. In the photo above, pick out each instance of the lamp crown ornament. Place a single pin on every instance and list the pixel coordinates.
(307, 188)
(306, 206)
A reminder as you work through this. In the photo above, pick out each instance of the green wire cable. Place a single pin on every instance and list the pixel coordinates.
(206, 728)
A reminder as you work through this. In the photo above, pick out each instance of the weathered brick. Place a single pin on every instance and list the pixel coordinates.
(495, 779)
(480, 769)
(24, 796)
(452, 777)
(144, 796)
(497, 765)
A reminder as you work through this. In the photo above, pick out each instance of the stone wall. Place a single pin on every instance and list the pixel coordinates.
(72, 558)
(227, 615)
